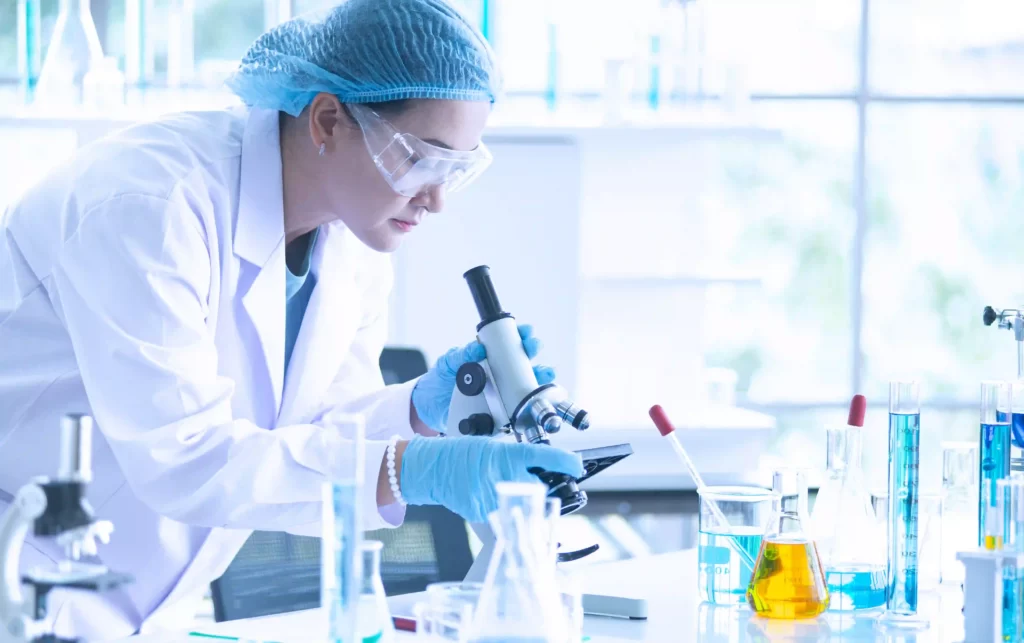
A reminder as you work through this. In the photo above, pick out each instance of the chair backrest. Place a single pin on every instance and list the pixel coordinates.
(277, 572)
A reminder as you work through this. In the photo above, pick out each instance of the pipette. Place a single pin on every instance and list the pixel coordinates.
(660, 419)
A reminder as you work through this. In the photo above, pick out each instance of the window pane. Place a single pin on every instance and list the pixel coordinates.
(788, 46)
(224, 29)
(781, 213)
(947, 46)
(946, 192)
(723, 263)
(8, 39)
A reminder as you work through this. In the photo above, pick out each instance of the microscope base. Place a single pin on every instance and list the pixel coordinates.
(618, 606)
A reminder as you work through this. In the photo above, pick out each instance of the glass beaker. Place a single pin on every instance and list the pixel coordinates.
(374, 617)
(520, 600)
(723, 574)
(569, 588)
(844, 527)
(74, 50)
(341, 565)
(959, 513)
(994, 447)
(788, 580)
(447, 613)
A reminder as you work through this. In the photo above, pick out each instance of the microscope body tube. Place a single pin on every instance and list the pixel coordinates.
(510, 367)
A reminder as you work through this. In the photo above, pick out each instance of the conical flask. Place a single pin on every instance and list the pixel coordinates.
(520, 601)
(788, 580)
(373, 620)
(73, 52)
(843, 523)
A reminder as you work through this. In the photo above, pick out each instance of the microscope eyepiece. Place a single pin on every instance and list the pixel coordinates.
(484, 295)
(75, 448)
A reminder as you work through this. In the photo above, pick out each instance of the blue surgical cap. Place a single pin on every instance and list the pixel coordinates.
(368, 51)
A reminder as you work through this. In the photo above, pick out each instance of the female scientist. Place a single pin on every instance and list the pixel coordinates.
(212, 288)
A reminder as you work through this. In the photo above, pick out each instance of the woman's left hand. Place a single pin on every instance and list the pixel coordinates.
(433, 393)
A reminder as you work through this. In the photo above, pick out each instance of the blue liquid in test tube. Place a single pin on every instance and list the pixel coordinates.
(994, 447)
(904, 498)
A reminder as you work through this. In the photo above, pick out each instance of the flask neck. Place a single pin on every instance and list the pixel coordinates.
(76, 7)
(371, 569)
(844, 449)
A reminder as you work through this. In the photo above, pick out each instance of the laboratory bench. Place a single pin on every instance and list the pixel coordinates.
(669, 584)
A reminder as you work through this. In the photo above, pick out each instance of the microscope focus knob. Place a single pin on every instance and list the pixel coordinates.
(471, 379)
(477, 424)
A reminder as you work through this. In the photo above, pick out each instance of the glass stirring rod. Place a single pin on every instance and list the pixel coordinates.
(660, 419)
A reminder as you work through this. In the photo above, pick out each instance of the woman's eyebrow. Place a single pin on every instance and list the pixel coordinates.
(434, 141)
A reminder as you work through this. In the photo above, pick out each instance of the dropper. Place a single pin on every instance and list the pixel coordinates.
(666, 429)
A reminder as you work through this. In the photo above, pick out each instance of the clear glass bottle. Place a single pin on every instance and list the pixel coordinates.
(844, 527)
(73, 52)
(958, 514)
(788, 580)
(520, 601)
(374, 617)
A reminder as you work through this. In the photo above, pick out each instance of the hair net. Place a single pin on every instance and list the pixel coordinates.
(368, 51)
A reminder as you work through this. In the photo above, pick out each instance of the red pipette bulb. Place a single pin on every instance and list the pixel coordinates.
(661, 420)
(858, 407)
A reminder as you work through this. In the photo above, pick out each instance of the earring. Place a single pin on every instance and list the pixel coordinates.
(323, 148)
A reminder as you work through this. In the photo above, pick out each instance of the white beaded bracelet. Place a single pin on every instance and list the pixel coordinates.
(392, 475)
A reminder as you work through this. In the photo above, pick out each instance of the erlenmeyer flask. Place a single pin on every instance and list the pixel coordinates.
(520, 601)
(373, 618)
(73, 52)
(843, 527)
(788, 580)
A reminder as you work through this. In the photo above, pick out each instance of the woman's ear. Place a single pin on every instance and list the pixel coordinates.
(325, 116)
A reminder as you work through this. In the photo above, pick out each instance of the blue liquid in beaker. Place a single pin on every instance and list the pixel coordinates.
(855, 587)
(722, 574)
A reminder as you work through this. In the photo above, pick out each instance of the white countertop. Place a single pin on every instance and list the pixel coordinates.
(669, 584)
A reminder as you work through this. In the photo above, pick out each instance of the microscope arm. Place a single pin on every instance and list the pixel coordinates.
(15, 623)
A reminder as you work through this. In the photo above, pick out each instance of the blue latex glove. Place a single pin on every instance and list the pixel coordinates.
(432, 395)
(461, 473)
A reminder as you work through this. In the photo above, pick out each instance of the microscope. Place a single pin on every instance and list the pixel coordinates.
(501, 396)
(54, 508)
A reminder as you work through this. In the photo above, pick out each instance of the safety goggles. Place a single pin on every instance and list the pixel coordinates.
(410, 165)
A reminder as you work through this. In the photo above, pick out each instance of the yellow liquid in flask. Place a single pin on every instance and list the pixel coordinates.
(788, 581)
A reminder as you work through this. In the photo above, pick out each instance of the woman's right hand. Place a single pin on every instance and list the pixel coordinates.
(461, 473)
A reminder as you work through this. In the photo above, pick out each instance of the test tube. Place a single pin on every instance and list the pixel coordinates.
(1010, 506)
(1010, 509)
(902, 526)
(340, 554)
(994, 446)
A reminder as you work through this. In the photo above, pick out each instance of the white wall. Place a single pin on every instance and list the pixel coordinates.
(522, 219)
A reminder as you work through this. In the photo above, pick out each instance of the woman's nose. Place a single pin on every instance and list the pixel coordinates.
(432, 198)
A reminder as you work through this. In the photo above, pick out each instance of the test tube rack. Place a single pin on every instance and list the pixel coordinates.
(983, 592)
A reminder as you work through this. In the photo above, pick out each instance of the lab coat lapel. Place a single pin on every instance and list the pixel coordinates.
(328, 327)
(259, 240)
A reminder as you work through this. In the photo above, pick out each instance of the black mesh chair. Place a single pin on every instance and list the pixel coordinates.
(278, 572)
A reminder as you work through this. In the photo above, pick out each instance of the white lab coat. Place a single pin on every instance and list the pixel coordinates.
(144, 283)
